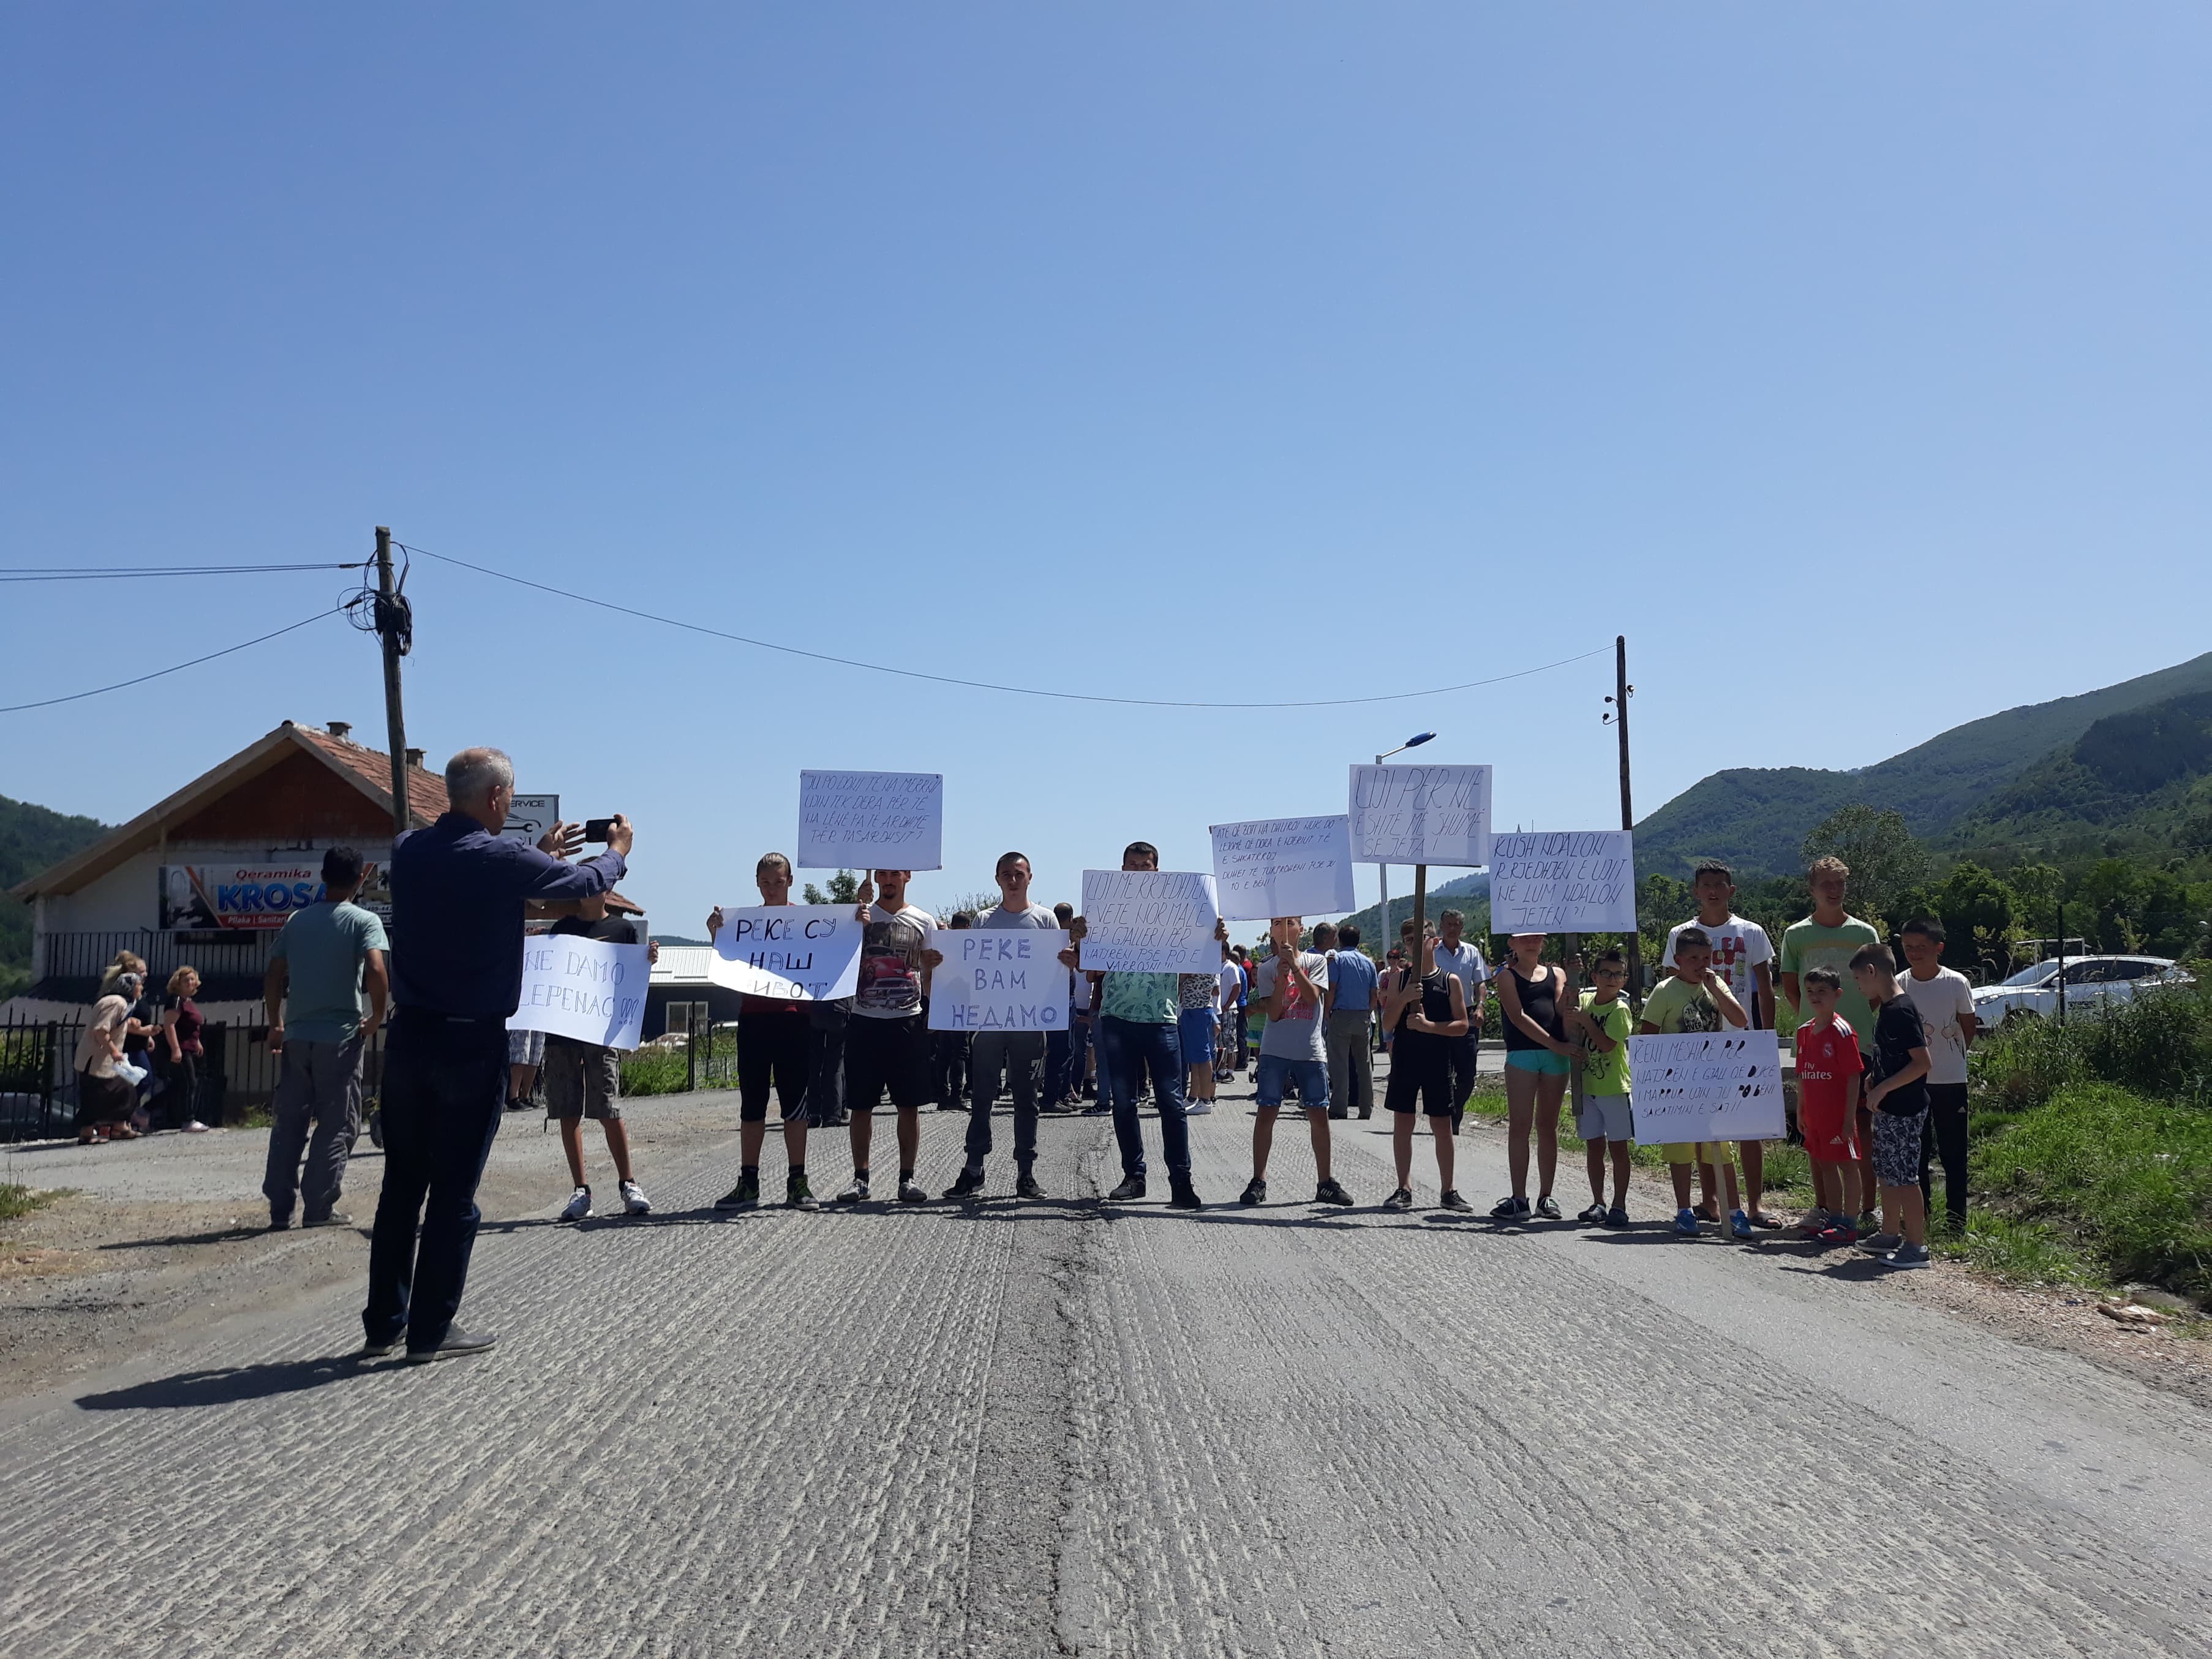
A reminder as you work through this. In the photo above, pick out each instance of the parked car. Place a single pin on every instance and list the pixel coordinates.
(2091, 981)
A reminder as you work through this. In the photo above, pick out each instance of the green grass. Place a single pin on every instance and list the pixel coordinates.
(2026, 1252)
(18, 1200)
(670, 1071)
(2159, 1044)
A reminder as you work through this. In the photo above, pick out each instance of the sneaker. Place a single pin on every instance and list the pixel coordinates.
(743, 1196)
(1685, 1222)
(1025, 1186)
(1097, 1108)
(1512, 1209)
(910, 1191)
(1198, 1109)
(1255, 1192)
(1881, 1243)
(1331, 1191)
(1617, 1216)
(372, 1349)
(969, 1183)
(1839, 1232)
(578, 1208)
(856, 1191)
(635, 1202)
(1185, 1197)
(1450, 1201)
(1908, 1255)
(1739, 1224)
(1592, 1217)
(196, 1127)
(796, 1194)
(457, 1344)
(1130, 1189)
(1548, 1208)
(1403, 1200)
(1816, 1222)
(333, 1220)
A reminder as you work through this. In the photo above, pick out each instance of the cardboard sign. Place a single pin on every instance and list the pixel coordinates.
(998, 979)
(792, 952)
(1270, 867)
(584, 988)
(1706, 1085)
(1150, 921)
(1421, 815)
(1576, 881)
(871, 820)
(531, 817)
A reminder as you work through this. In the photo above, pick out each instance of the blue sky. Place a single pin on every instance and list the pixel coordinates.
(1852, 361)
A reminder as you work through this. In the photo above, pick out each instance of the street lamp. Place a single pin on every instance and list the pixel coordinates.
(1383, 871)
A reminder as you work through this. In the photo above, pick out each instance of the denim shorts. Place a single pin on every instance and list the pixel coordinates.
(1196, 1025)
(1275, 1070)
(1542, 1061)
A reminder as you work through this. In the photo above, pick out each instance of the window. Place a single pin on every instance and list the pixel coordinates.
(688, 1017)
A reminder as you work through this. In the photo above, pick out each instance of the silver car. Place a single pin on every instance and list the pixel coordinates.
(2091, 982)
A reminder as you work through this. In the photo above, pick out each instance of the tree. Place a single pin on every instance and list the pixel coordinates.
(1884, 859)
(844, 889)
(1976, 909)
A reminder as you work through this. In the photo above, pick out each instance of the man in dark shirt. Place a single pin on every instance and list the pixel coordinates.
(458, 895)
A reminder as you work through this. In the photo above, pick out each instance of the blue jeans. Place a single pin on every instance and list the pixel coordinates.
(1312, 1076)
(445, 1090)
(1126, 1048)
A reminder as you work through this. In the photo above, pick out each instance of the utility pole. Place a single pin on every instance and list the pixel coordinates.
(1622, 690)
(394, 629)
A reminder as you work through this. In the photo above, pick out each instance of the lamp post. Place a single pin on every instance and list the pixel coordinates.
(1383, 871)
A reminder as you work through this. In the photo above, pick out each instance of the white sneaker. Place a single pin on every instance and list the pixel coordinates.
(1198, 1109)
(634, 1199)
(196, 1127)
(578, 1206)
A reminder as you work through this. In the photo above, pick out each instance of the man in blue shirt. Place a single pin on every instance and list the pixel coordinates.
(1350, 1008)
(459, 892)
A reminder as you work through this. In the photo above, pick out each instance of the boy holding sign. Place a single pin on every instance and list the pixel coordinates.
(1294, 1046)
(776, 1038)
(887, 1044)
(1696, 999)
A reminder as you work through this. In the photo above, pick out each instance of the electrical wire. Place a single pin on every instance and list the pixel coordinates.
(49, 573)
(174, 668)
(989, 685)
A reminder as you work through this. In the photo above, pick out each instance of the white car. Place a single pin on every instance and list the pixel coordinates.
(2091, 981)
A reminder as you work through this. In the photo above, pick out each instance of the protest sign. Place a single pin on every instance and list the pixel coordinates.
(793, 953)
(584, 988)
(871, 820)
(1706, 1085)
(1576, 881)
(1150, 921)
(1421, 815)
(998, 979)
(1271, 868)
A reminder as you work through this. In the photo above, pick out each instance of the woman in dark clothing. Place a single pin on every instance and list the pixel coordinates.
(1422, 1015)
(181, 1026)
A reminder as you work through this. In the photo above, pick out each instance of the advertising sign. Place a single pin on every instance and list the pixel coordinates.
(531, 817)
(249, 897)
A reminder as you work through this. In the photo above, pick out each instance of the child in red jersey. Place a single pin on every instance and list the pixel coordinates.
(1829, 1068)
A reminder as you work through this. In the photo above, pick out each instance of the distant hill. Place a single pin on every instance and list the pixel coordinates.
(31, 838)
(1469, 894)
(1755, 817)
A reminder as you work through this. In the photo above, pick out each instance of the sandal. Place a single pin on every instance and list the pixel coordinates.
(1703, 1212)
(123, 1132)
(1761, 1218)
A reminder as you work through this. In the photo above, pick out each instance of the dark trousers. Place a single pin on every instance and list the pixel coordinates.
(1458, 1055)
(776, 1049)
(948, 1067)
(825, 1075)
(1944, 1136)
(444, 1088)
(1125, 1048)
(1058, 1050)
(1016, 1054)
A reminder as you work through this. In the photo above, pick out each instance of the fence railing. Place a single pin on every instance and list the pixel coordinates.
(217, 955)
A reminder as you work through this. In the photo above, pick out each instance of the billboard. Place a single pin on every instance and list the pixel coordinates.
(246, 898)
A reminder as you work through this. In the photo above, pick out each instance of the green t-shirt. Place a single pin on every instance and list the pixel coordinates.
(1808, 945)
(326, 945)
(1147, 999)
(1678, 1005)
(1608, 1073)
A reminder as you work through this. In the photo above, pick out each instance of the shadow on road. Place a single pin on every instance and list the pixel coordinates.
(230, 1384)
(215, 1235)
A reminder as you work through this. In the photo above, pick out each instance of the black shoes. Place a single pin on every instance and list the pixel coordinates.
(1330, 1192)
(743, 1196)
(1128, 1191)
(1026, 1187)
(969, 1183)
(797, 1195)
(1452, 1201)
(1185, 1197)
(457, 1344)
(1400, 1200)
(1255, 1193)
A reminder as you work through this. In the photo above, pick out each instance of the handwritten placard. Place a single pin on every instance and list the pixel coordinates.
(871, 820)
(1421, 815)
(998, 979)
(1570, 881)
(584, 988)
(1270, 867)
(1706, 1085)
(1150, 921)
(793, 953)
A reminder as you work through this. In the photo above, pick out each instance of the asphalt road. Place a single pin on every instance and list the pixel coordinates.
(1053, 1428)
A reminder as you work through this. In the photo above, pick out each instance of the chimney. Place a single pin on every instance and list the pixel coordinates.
(415, 759)
(339, 728)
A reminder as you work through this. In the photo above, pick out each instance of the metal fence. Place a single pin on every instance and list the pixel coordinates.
(236, 1075)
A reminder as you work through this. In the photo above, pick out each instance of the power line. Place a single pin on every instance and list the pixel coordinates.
(174, 668)
(989, 685)
(51, 573)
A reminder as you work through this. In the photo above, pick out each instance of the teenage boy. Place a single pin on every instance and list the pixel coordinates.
(1898, 1097)
(1293, 985)
(1828, 1075)
(1461, 959)
(1945, 1003)
(1063, 1049)
(1828, 939)
(1604, 1120)
(776, 1049)
(1349, 1017)
(887, 1044)
(1014, 1054)
(1743, 955)
(1696, 999)
(584, 1080)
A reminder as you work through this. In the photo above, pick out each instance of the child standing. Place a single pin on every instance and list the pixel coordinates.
(1604, 1121)
(1828, 1073)
(1697, 1000)
(1898, 1099)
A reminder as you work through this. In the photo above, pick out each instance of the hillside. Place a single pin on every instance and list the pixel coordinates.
(31, 838)
(1755, 817)
(1469, 894)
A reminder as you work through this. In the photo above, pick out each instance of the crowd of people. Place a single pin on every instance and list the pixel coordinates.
(139, 1054)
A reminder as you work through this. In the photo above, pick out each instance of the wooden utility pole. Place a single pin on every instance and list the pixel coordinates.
(390, 629)
(1621, 692)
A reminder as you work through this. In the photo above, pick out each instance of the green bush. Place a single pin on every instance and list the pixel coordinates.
(2158, 1044)
(2129, 1179)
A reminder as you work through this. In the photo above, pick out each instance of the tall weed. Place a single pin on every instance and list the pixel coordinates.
(2158, 1044)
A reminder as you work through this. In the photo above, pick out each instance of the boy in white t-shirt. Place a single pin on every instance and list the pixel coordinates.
(1744, 957)
(1945, 1001)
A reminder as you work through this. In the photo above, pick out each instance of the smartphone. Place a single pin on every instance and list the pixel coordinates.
(598, 830)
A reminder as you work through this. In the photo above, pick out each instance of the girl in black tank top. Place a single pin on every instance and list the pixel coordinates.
(1420, 1078)
(1536, 1073)
(1540, 1001)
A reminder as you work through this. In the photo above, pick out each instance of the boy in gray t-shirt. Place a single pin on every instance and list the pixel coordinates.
(1291, 988)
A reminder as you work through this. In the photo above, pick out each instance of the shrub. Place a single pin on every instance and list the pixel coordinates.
(2158, 1044)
